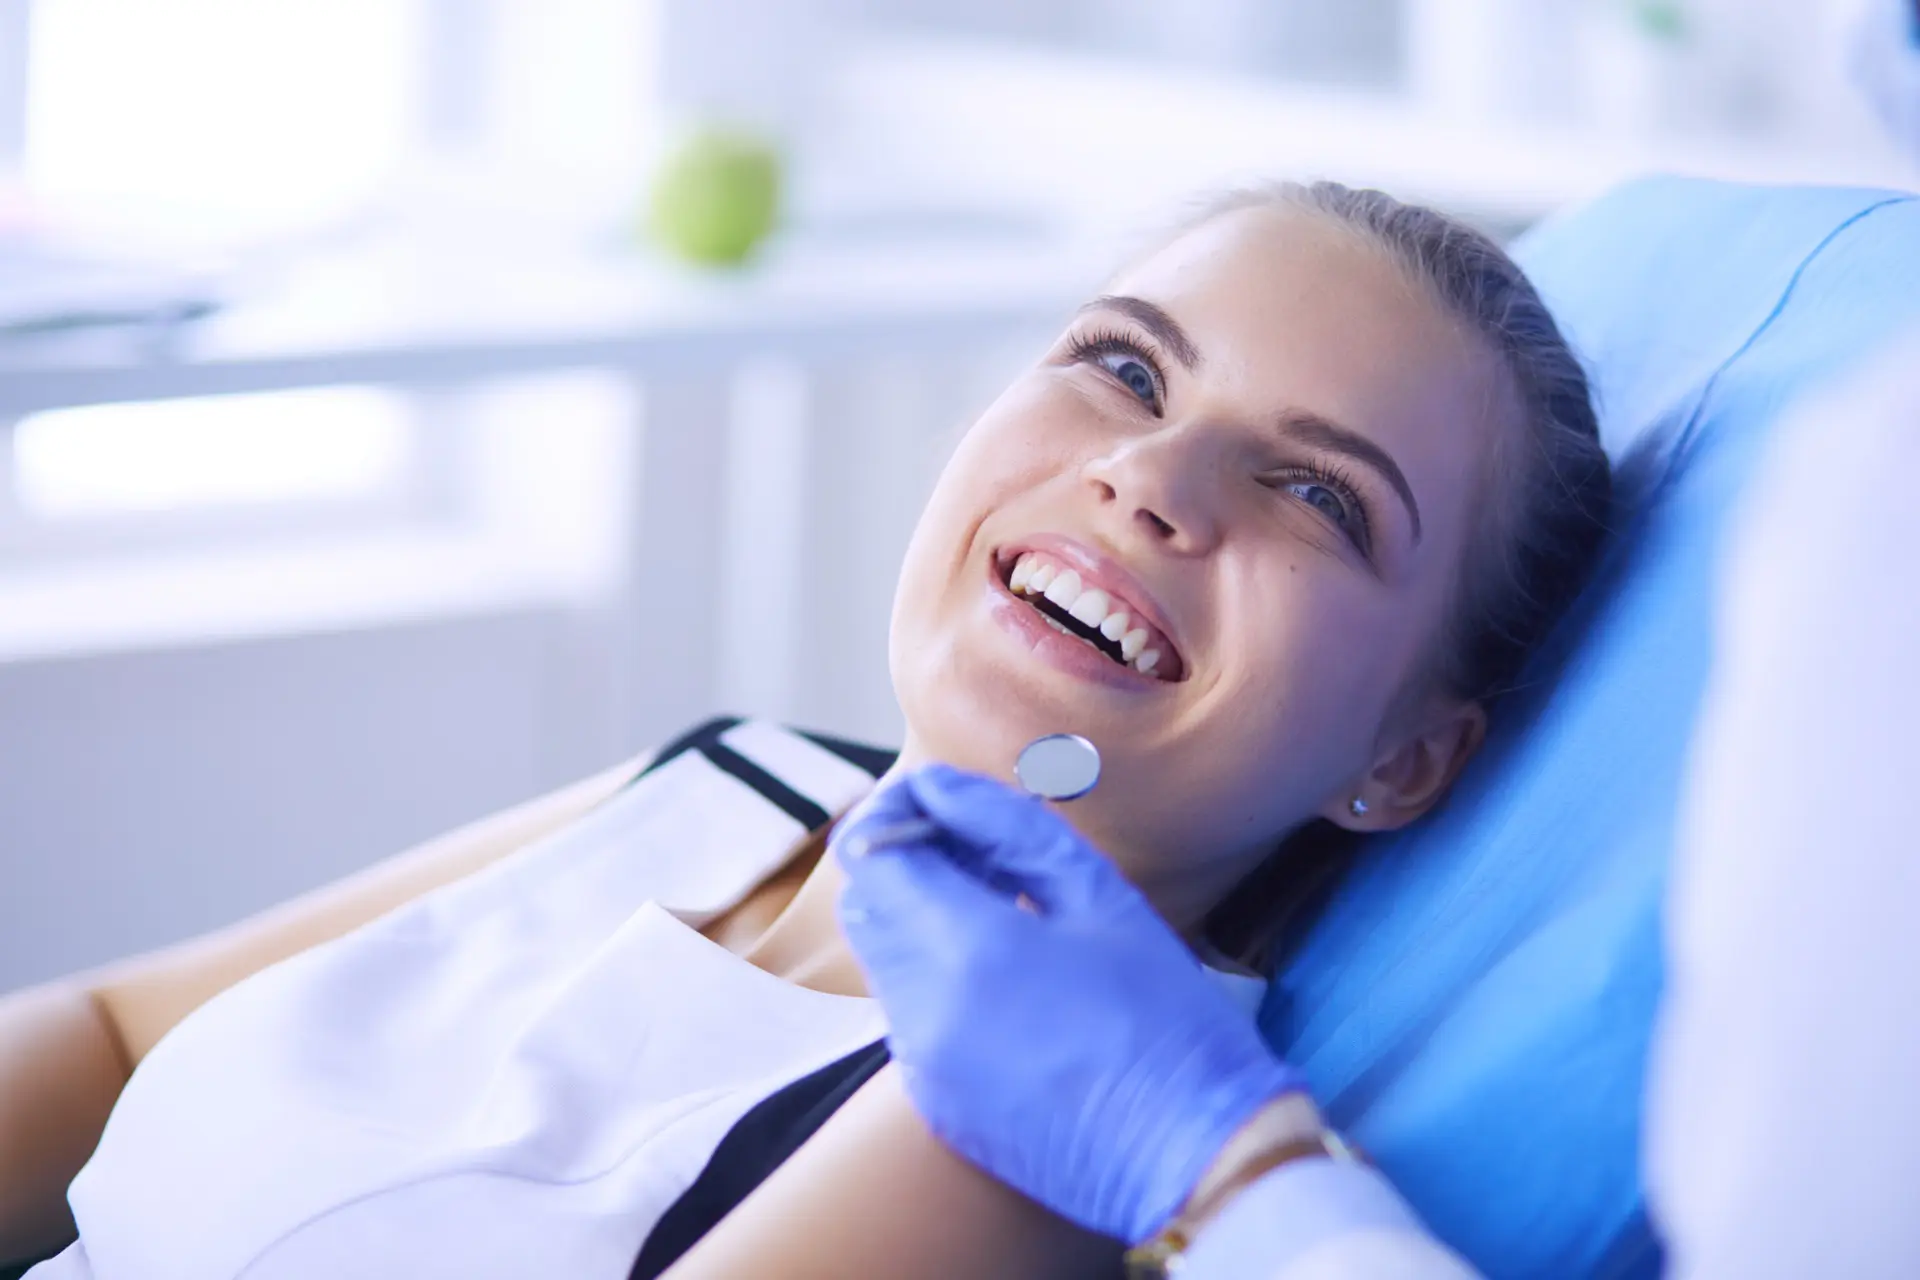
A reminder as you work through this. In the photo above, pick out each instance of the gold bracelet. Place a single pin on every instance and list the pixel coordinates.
(1164, 1255)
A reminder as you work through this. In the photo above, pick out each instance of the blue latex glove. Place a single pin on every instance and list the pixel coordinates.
(1076, 1050)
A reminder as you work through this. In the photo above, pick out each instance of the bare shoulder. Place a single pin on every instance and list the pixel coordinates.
(880, 1196)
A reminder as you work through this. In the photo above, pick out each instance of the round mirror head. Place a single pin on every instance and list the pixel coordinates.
(1060, 766)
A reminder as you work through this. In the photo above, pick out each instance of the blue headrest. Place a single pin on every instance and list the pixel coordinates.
(1476, 1004)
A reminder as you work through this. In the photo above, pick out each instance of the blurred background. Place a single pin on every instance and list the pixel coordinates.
(367, 465)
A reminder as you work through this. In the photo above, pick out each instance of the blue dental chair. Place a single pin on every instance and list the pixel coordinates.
(1476, 1005)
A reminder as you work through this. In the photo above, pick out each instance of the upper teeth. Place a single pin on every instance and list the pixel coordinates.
(1035, 575)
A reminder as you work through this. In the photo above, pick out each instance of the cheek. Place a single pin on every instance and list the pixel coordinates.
(1312, 665)
(1034, 429)
(1024, 440)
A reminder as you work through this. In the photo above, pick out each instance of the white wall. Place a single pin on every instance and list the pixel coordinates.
(147, 796)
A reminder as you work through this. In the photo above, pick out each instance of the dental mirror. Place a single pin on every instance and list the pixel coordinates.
(1056, 766)
(1060, 766)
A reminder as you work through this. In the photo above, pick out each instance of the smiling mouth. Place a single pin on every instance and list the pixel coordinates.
(1067, 624)
(1089, 614)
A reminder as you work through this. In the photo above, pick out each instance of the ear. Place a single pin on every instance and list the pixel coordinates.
(1414, 773)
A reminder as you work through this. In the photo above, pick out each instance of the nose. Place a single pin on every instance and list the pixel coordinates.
(1164, 486)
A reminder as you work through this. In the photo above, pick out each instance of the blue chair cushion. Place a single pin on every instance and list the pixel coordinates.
(1476, 1004)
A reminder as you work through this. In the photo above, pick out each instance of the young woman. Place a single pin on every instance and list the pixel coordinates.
(1274, 523)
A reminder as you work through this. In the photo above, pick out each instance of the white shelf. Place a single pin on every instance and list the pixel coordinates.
(411, 311)
(194, 598)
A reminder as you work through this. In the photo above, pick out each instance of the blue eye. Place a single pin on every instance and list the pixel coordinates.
(1132, 375)
(1126, 361)
(1321, 499)
(1333, 499)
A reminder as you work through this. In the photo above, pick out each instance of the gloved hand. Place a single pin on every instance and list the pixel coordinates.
(1073, 1047)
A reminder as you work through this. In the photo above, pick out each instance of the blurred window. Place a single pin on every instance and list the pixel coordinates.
(329, 444)
(198, 122)
(244, 125)
(255, 113)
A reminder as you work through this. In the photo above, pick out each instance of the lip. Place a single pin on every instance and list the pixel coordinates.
(1100, 571)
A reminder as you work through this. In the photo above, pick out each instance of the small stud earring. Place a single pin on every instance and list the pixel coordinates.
(1358, 807)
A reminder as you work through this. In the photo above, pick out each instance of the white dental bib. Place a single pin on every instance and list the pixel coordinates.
(515, 1075)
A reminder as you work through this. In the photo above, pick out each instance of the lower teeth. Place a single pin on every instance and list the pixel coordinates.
(1067, 631)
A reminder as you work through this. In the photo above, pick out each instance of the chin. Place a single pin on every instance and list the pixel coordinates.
(957, 718)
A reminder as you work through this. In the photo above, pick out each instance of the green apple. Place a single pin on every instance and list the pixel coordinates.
(716, 195)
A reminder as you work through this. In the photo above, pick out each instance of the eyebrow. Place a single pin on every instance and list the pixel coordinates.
(1165, 329)
(1324, 433)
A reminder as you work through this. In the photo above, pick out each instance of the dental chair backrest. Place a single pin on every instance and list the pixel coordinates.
(1477, 1002)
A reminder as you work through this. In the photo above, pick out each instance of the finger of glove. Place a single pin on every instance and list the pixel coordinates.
(893, 811)
(889, 806)
(911, 904)
(894, 817)
(1017, 842)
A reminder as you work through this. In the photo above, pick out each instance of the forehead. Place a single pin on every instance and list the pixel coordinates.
(1290, 310)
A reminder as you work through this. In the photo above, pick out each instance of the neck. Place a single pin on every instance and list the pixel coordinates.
(804, 944)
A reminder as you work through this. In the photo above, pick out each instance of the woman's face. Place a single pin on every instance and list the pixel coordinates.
(1264, 445)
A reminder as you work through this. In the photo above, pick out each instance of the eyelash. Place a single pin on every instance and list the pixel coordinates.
(1088, 348)
(1330, 477)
